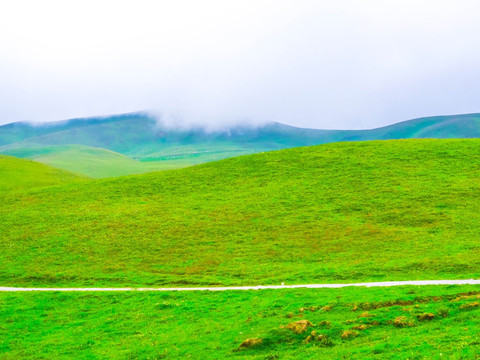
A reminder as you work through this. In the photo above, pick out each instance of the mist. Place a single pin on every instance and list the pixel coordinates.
(216, 64)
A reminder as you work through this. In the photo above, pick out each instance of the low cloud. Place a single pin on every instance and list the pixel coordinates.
(185, 121)
(216, 64)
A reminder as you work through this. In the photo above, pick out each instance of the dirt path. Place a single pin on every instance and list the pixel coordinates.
(261, 287)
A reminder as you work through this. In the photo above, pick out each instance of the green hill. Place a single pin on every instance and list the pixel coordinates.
(434, 127)
(342, 212)
(20, 174)
(93, 162)
(140, 137)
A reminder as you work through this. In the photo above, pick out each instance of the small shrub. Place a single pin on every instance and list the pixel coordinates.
(248, 343)
(469, 306)
(366, 315)
(403, 321)
(443, 312)
(360, 327)
(320, 340)
(299, 327)
(349, 334)
(366, 305)
(325, 341)
(426, 316)
(466, 297)
(308, 339)
(272, 357)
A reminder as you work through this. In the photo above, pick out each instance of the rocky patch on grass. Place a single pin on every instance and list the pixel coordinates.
(471, 305)
(426, 316)
(320, 339)
(299, 327)
(249, 343)
(403, 321)
(349, 334)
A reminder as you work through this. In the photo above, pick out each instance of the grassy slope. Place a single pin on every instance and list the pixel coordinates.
(212, 325)
(19, 175)
(18, 131)
(102, 163)
(140, 137)
(134, 136)
(93, 162)
(440, 127)
(332, 213)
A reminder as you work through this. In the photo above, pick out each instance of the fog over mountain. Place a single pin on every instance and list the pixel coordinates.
(318, 64)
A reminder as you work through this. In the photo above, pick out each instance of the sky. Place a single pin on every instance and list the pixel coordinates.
(343, 64)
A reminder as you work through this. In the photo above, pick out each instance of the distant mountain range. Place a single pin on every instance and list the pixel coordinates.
(111, 141)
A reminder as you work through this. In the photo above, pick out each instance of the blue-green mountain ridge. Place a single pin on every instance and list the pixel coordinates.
(119, 144)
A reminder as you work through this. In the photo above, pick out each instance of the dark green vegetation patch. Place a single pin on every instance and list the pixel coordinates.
(344, 212)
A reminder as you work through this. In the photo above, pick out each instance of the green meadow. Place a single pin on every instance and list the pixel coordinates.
(432, 322)
(137, 143)
(333, 213)
(343, 212)
(22, 174)
(94, 162)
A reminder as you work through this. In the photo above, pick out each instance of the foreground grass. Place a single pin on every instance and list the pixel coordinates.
(434, 322)
(345, 212)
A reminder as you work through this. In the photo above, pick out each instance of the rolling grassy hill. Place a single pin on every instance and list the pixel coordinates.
(92, 162)
(140, 137)
(20, 175)
(339, 212)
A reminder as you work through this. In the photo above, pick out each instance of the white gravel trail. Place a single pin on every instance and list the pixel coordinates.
(261, 287)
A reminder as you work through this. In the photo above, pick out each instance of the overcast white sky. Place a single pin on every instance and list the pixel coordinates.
(321, 64)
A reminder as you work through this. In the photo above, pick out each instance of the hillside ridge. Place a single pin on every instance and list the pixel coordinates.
(140, 137)
(323, 214)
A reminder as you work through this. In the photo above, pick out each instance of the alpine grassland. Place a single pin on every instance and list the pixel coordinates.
(18, 175)
(334, 213)
(93, 162)
(138, 143)
(407, 322)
